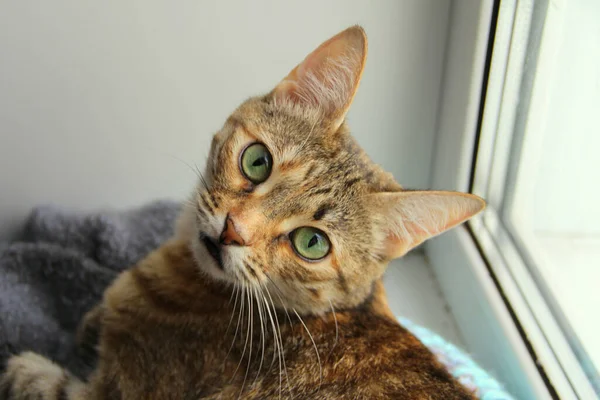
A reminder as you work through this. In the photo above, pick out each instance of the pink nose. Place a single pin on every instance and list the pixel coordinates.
(230, 236)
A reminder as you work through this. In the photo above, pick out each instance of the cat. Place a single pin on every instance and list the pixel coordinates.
(271, 286)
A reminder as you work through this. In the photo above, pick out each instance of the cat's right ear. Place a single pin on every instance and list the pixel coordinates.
(328, 77)
(406, 219)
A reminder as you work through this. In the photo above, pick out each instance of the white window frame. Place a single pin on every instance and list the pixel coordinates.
(513, 335)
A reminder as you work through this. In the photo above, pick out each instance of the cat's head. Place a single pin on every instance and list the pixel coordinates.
(290, 204)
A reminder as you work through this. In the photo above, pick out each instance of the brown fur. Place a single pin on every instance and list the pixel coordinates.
(267, 323)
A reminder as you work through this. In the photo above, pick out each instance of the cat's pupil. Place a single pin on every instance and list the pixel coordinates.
(313, 240)
(259, 161)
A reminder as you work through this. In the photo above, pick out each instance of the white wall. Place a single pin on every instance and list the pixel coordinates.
(99, 101)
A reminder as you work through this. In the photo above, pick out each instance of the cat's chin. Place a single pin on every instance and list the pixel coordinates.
(221, 266)
(207, 263)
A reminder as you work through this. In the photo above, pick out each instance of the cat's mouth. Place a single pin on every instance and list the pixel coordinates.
(214, 249)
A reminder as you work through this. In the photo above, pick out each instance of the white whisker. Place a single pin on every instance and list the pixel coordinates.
(280, 343)
(275, 338)
(235, 285)
(262, 332)
(195, 171)
(279, 293)
(251, 327)
(236, 328)
(336, 328)
(247, 337)
(236, 291)
(314, 345)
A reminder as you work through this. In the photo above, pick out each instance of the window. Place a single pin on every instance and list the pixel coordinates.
(535, 166)
(535, 142)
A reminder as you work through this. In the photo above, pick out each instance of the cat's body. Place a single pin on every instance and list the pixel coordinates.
(272, 286)
(167, 335)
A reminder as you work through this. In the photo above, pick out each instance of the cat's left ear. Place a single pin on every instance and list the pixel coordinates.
(328, 77)
(406, 219)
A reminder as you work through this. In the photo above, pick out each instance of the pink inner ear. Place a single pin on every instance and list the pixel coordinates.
(314, 78)
(395, 247)
(328, 77)
(287, 91)
(413, 217)
(417, 230)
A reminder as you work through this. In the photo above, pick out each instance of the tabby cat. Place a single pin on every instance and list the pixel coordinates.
(271, 287)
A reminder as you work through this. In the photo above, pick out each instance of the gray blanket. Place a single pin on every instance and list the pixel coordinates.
(60, 268)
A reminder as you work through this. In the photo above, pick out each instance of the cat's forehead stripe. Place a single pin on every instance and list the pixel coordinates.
(320, 213)
(241, 126)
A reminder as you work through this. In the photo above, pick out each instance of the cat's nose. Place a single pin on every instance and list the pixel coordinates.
(230, 236)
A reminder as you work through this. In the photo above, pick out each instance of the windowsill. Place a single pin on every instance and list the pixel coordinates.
(414, 293)
(483, 320)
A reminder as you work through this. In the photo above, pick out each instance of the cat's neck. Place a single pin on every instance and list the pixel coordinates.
(171, 281)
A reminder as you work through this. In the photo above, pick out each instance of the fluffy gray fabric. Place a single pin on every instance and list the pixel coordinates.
(60, 268)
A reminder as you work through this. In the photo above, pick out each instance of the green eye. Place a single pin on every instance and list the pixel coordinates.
(310, 243)
(256, 163)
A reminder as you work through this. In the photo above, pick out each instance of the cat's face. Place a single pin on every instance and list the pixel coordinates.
(292, 209)
(299, 219)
